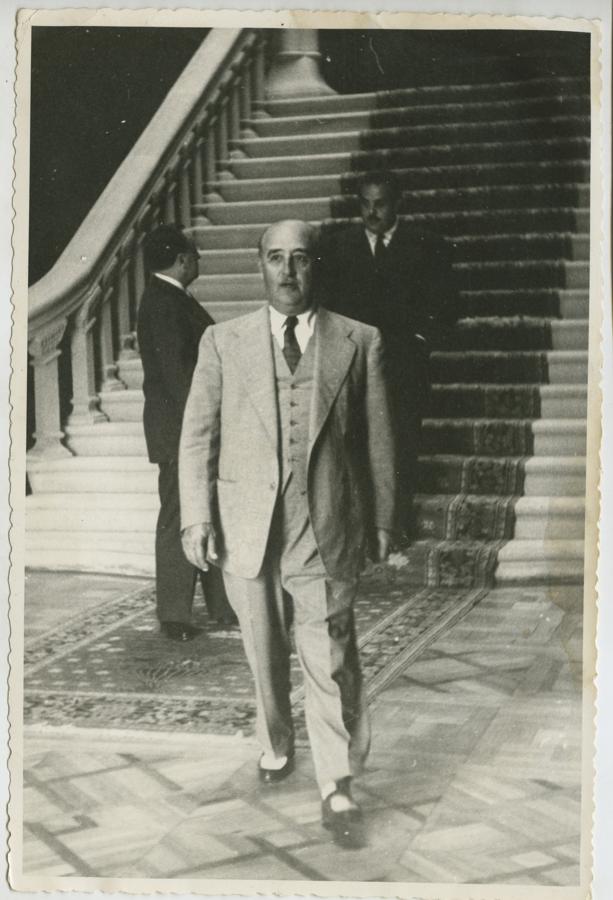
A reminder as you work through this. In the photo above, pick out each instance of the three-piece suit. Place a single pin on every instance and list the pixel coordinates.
(410, 296)
(292, 469)
(170, 325)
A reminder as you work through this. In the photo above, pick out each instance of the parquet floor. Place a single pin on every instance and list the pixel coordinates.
(474, 776)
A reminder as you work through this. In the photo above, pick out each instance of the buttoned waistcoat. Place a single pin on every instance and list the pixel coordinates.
(229, 471)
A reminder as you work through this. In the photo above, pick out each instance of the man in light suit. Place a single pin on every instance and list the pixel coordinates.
(285, 466)
(170, 325)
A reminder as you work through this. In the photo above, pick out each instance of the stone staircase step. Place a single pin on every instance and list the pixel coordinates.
(540, 476)
(551, 303)
(521, 152)
(335, 103)
(265, 211)
(460, 111)
(94, 512)
(500, 220)
(563, 401)
(454, 224)
(559, 437)
(237, 261)
(452, 133)
(537, 245)
(447, 401)
(289, 187)
(509, 367)
(509, 197)
(502, 437)
(107, 439)
(549, 518)
(462, 517)
(477, 437)
(444, 473)
(493, 401)
(92, 551)
(123, 406)
(85, 474)
(540, 561)
(528, 273)
(567, 366)
(519, 333)
(228, 288)
(554, 476)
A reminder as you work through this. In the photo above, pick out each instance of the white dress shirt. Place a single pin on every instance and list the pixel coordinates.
(172, 281)
(303, 331)
(387, 236)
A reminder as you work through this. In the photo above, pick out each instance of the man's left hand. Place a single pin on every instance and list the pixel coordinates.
(384, 539)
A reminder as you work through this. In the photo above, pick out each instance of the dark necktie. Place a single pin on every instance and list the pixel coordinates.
(291, 347)
(380, 253)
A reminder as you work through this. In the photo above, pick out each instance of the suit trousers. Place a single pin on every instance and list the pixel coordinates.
(293, 587)
(175, 577)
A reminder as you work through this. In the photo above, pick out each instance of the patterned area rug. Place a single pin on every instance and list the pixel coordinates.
(112, 669)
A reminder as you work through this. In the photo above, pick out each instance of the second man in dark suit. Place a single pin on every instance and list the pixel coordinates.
(386, 273)
(170, 325)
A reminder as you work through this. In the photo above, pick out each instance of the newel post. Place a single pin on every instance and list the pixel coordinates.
(45, 353)
(296, 65)
(85, 400)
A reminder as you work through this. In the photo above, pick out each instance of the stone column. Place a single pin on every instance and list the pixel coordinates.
(295, 70)
(44, 349)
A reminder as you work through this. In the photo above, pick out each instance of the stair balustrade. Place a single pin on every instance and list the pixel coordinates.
(89, 299)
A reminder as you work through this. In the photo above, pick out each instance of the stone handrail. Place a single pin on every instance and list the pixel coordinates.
(86, 305)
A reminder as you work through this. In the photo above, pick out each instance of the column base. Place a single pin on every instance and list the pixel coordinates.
(48, 447)
(296, 74)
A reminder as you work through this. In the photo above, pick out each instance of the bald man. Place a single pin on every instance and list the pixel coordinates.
(286, 471)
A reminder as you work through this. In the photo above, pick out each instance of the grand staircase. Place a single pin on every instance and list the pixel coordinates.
(501, 170)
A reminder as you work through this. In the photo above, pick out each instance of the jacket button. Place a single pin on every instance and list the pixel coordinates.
(273, 485)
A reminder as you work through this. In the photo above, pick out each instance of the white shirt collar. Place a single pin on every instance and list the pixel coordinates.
(387, 236)
(303, 331)
(171, 281)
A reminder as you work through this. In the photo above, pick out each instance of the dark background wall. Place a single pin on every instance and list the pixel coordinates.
(93, 92)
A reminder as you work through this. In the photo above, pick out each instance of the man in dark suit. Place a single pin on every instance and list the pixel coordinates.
(170, 325)
(386, 273)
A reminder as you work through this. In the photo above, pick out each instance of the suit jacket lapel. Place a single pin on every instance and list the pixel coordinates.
(334, 353)
(255, 362)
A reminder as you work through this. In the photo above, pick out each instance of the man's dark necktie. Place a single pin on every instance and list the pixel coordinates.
(291, 347)
(380, 254)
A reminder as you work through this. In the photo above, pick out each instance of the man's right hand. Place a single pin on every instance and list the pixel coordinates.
(198, 543)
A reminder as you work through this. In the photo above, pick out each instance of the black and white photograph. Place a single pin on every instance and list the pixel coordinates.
(305, 453)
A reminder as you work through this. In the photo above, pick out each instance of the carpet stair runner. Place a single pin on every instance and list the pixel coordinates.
(501, 169)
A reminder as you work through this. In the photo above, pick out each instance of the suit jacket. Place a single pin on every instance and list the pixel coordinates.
(415, 295)
(229, 451)
(170, 325)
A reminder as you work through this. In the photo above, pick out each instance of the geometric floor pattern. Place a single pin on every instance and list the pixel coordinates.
(474, 776)
(108, 666)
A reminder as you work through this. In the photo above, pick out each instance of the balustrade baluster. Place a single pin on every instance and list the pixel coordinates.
(211, 161)
(199, 166)
(45, 353)
(170, 198)
(259, 77)
(235, 114)
(110, 379)
(85, 400)
(185, 200)
(126, 336)
(221, 136)
(246, 99)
